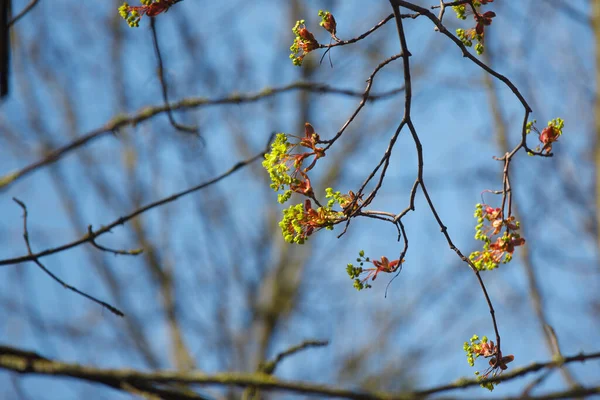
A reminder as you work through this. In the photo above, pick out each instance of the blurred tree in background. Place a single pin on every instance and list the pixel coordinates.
(86, 139)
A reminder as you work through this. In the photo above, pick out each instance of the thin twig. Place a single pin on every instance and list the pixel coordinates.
(361, 37)
(365, 97)
(92, 235)
(134, 252)
(163, 84)
(269, 367)
(20, 15)
(33, 258)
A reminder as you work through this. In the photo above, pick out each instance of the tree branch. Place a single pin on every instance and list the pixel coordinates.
(92, 235)
(149, 112)
(32, 363)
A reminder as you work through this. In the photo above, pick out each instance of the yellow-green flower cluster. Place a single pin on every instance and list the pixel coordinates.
(530, 125)
(354, 272)
(467, 38)
(130, 15)
(482, 263)
(304, 43)
(300, 221)
(558, 124)
(293, 217)
(462, 35)
(479, 235)
(500, 249)
(295, 47)
(460, 11)
(472, 348)
(334, 197)
(479, 48)
(279, 171)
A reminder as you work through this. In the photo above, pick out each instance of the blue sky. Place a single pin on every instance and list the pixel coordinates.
(76, 68)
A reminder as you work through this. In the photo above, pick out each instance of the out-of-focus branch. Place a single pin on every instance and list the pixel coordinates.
(567, 9)
(20, 15)
(269, 367)
(12, 360)
(147, 113)
(596, 144)
(23, 361)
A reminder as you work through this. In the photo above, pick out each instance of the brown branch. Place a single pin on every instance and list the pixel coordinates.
(365, 97)
(269, 367)
(147, 113)
(119, 378)
(23, 362)
(5, 13)
(134, 252)
(360, 37)
(20, 15)
(465, 51)
(163, 84)
(507, 158)
(532, 281)
(516, 373)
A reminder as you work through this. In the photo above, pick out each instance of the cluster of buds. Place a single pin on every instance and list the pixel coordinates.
(286, 168)
(384, 265)
(304, 43)
(300, 221)
(500, 249)
(151, 8)
(476, 347)
(481, 21)
(288, 165)
(348, 202)
(328, 23)
(548, 135)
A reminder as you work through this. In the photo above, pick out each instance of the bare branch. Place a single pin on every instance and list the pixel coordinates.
(92, 235)
(163, 84)
(12, 360)
(147, 113)
(20, 15)
(112, 309)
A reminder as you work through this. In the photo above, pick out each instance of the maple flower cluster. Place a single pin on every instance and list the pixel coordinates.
(305, 41)
(288, 165)
(548, 135)
(385, 265)
(481, 21)
(476, 347)
(151, 8)
(490, 223)
(328, 22)
(286, 168)
(300, 221)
